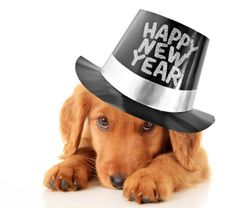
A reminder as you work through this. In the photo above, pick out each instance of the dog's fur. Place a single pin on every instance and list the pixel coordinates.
(155, 163)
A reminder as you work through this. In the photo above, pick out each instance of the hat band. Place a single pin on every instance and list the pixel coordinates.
(144, 91)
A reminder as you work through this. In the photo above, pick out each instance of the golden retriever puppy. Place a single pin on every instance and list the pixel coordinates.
(147, 161)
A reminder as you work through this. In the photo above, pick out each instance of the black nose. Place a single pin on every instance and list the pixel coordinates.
(117, 181)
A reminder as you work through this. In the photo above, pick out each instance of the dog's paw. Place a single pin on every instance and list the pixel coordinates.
(66, 177)
(147, 186)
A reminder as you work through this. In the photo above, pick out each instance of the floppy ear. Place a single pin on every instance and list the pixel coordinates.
(73, 115)
(184, 146)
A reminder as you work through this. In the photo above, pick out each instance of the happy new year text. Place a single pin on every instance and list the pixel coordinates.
(161, 40)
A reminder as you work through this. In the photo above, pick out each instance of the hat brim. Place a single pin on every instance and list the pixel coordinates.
(189, 121)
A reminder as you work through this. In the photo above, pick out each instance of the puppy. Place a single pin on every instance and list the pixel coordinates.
(147, 161)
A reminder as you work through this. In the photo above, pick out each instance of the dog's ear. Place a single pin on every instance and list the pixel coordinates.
(73, 115)
(184, 146)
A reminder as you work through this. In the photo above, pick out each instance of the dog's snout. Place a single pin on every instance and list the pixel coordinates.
(117, 181)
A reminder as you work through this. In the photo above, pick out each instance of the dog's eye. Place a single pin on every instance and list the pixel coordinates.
(147, 126)
(103, 123)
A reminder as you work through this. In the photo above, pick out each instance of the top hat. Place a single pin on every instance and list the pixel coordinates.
(153, 73)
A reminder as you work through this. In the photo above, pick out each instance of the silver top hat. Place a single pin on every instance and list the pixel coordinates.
(153, 73)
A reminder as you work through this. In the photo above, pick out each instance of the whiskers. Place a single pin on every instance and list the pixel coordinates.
(91, 164)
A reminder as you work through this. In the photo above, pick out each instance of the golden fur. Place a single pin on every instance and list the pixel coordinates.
(154, 163)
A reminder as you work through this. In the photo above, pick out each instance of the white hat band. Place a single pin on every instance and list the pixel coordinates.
(144, 91)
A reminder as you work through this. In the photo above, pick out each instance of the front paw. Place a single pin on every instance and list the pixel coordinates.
(148, 186)
(66, 177)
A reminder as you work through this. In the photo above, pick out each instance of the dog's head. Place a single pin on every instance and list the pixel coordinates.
(123, 143)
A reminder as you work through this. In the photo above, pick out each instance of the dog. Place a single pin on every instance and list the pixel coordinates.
(147, 161)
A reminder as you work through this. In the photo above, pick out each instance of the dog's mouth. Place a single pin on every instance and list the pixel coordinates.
(113, 173)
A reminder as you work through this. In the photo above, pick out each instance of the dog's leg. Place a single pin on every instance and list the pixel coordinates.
(164, 175)
(72, 173)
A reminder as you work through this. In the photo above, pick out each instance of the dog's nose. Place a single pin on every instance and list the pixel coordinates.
(117, 181)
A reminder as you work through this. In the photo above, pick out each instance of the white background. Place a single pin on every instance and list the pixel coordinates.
(39, 44)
